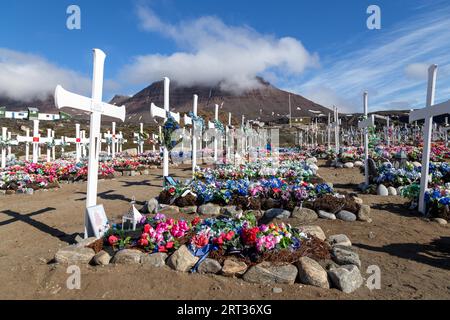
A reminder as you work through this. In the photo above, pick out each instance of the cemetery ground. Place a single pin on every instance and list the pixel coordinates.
(412, 253)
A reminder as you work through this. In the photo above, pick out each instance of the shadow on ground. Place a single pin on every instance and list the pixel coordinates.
(27, 218)
(436, 253)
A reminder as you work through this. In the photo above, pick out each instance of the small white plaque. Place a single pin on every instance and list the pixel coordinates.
(98, 222)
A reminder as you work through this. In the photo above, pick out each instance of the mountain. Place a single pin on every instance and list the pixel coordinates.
(265, 102)
(260, 102)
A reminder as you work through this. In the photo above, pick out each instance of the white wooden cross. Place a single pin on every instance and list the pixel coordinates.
(216, 140)
(335, 125)
(96, 108)
(163, 113)
(4, 139)
(35, 139)
(77, 141)
(365, 125)
(195, 132)
(121, 141)
(84, 142)
(431, 110)
(138, 138)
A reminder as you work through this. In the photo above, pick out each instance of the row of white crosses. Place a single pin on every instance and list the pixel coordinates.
(96, 108)
(431, 110)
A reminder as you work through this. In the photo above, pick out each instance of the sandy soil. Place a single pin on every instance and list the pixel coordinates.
(412, 253)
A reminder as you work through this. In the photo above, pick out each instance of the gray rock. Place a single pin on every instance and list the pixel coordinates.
(277, 290)
(339, 165)
(440, 221)
(74, 255)
(209, 209)
(127, 256)
(364, 213)
(172, 209)
(358, 200)
(188, 210)
(339, 240)
(156, 260)
(134, 173)
(346, 216)
(277, 213)
(266, 272)
(314, 231)
(152, 205)
(182, 260)
(102, 258)
(304, 214)
(345, 255)
(326, 215)
(359, 164)
(348, 165)
(85, 242)
(231, 268)
(328, 264)
(231, 211)
(417, 164)
(392, 191)
(346, 278)
(382, 191)
(311, 273)
(209, 266)
(373, 170)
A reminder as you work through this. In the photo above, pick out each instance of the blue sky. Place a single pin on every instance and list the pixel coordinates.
(320, 49)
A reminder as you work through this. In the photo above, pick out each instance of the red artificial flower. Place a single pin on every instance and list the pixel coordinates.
(249, 235)
(162, 249)
(196, 221)
(147, 228)
(276, 190)
(229, 235)
(169, 245)
(172, 191)
(218, 241)
(113, 240)
(143, 242)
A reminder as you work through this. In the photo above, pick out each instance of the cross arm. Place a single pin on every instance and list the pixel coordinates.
(161, 113)
(66, 99)
(369, 122)
(436, 110)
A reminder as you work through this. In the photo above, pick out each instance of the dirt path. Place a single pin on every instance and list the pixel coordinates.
(413, 254)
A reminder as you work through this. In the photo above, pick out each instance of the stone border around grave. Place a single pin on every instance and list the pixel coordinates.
(342, 272)
(303, 215)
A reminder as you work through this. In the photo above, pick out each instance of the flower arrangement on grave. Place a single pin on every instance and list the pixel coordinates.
(219, 126)
(169, 127)
(198, 120)
(222, 236)
(438, 201)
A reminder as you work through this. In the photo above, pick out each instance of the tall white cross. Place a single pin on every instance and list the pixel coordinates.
(431, 110)
(96, 108)
(163, 113)
(365, 125)
(4, 140)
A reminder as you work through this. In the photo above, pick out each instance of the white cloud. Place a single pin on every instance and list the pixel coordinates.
(26, 76)
(391, 66)
(417, 71)
(214, 52)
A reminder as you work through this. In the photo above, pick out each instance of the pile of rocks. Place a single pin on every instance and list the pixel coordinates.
(345, 165)
(301, 214)
(342, 272)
